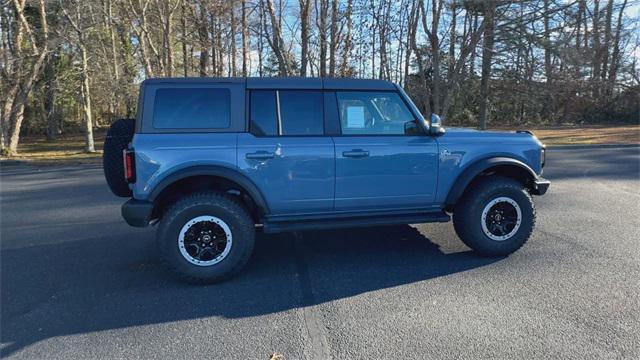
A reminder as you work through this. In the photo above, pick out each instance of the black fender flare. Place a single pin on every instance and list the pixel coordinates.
(477, 167)
(218, 171)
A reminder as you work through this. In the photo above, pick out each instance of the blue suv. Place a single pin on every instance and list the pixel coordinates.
(213, 160)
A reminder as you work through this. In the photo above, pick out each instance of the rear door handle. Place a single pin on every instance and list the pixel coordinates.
(356, 153)
(260, 155)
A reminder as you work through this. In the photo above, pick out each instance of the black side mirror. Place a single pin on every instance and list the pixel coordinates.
(436, 125)
(412, 128)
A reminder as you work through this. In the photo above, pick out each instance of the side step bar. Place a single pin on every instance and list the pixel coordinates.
(316, 224)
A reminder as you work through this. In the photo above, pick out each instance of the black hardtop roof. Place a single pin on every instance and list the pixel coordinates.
(283, 82)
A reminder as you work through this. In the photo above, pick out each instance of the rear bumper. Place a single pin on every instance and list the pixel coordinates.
(137, 212)
(540, 186)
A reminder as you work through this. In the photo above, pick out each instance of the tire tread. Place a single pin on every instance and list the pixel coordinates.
(463, 215)
(230, 204)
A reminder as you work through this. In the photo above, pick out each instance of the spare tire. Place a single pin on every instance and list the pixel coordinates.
(118, 138)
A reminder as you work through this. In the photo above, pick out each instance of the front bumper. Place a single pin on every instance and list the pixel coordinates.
(137, 212)
(540, 186)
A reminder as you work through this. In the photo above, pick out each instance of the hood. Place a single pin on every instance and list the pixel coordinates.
(491, 135)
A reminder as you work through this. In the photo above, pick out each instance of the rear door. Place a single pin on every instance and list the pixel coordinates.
(286, 153)
(383, 159)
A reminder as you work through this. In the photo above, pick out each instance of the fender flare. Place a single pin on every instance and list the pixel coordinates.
(213, 170)
(477, 167)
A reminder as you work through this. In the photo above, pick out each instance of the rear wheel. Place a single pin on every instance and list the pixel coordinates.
(206, 237)
(495, 217)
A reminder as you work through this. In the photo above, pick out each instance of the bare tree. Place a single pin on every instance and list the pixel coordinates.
(304, 35)
(322, 33)
(275, 41)
(345, 69)
(27, 58)
(333, 43)
(76, 22)
(487, 54)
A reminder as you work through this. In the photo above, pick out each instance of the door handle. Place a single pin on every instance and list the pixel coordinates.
(260, 155)
(356, 153)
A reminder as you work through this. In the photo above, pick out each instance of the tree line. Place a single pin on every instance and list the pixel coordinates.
(74, 65)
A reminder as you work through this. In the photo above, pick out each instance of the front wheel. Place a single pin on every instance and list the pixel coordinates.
(206, 237)
(495, 217)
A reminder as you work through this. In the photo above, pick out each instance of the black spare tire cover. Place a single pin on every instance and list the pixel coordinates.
(118, 138)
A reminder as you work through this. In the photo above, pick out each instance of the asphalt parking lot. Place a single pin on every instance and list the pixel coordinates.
(77, 282)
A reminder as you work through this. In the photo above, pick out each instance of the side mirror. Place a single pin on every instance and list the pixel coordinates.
(436, 125)
(412, 128)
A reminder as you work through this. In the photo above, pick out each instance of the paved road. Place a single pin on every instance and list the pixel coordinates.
(78, 283)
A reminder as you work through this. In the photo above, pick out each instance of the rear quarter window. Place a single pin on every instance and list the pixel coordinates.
(191, 108)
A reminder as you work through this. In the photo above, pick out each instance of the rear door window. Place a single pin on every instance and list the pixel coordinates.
(191, 108)
(301, 112)
(264, 113)
(286, 112)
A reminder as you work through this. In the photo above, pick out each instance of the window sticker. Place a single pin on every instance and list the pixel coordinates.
(355, 117)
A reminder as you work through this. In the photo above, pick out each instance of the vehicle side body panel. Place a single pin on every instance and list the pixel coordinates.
(161, 155)
(396, 171)
(296, 174)
(461, 148)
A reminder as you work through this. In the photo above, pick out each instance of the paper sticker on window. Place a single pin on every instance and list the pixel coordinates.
(355, 117)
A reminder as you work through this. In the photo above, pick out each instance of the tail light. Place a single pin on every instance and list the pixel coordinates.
(128, 160)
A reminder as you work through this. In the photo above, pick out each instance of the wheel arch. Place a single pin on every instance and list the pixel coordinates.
(209, 175)
(504, 166)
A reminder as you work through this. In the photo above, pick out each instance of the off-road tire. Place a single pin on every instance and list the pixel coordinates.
(118, 138)
(467, 215)
(222, 206)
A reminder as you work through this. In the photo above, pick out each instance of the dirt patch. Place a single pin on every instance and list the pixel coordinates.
(588, 135)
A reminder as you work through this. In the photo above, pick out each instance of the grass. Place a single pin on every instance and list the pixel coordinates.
(589, 135)
(67, 149)
(70, 148)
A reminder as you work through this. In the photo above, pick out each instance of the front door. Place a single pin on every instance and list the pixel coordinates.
(286, 153)
(383, 159)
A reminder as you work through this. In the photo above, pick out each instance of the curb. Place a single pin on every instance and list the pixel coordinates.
(595, 146)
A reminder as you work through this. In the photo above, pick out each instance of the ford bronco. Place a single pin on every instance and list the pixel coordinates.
(213, 160)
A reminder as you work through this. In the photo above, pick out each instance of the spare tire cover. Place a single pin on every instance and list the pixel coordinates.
(118, 138)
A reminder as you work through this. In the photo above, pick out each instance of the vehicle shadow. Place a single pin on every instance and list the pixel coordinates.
(111, 282)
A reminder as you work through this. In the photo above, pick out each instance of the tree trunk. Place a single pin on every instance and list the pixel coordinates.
(607, 39)
(185, 56)
(452, 38)
(413, 29)
(168, 26)
(18, 94)
(597, 51)
(410, 36)
(348, 42)
(234, 69)
(304, 36)
(322, 29)
(17, 112)
(434, 41)
(547, 45)
(487, 54)
(203, 34)
(277, 44)
(615, 56)
(333, 46)
(474, 53)
(86, 101)
(245, 40)
(579, 15)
